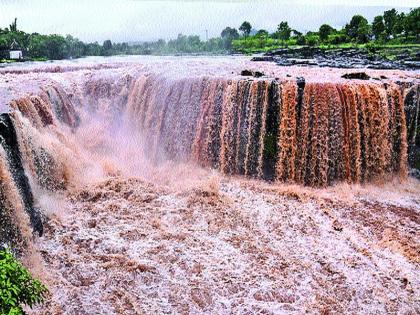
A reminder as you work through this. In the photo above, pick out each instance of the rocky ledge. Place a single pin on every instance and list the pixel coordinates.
(341, 58)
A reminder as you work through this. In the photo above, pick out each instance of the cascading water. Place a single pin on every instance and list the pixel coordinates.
(79, 124)
(313, 133)
(265, 129)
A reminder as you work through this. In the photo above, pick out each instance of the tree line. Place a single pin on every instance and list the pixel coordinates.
(37, 46)
(392, 27)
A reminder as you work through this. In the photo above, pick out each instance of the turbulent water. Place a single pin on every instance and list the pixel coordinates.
(127, 168)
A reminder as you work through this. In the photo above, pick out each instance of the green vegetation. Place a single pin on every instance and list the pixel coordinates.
(53, 47)
(17, 287)
(391, 28)
(245, 28)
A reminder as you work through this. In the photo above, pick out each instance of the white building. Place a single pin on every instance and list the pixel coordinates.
(15, 51)
(16, 54)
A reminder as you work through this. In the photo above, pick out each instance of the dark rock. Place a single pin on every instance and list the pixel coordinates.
(249, 73)
(412, 64)
(339, 58)
(300, 81)
(412, 114)
(337, 226)
(8, 140)
(356, 75)
(246, 73)
(262, 58)
(414, 173)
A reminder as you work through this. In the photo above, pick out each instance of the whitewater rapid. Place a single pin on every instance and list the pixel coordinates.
(176, 185)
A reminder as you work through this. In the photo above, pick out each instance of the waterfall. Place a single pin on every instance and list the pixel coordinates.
(310, 132)
(315, 134)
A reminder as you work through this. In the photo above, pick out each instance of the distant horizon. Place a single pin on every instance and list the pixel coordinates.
(136, 21)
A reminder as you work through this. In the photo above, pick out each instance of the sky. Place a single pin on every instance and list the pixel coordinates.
(145, 20)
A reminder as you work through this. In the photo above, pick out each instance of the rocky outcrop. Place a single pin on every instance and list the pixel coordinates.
(338, 58)
(356, 75)
(14, 177)
(412, 113)
(8, 140)
(249, 73)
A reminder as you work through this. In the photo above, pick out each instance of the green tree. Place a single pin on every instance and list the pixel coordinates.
(378, 27)
(311, 39)
(300, 40)
(93, 49)
(3, 44)
(229, 32)
(228, 35)
(13, 26)
(216, 44)
(193, 43)
(390, 18)
(17, 287)
(324, 31)
(283, 31)
(107, 47)
(262, 33)
(358, 29)
(412, 23)
(37, 47)
(338, 38)
(76, 48)
(399, 24)
(56, 47)
(245, 28)
(296, 33)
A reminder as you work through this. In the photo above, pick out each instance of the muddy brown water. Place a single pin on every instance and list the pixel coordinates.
(176, 185)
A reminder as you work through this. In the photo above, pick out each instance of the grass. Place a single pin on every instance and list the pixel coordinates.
(255, 44)
(5, 60)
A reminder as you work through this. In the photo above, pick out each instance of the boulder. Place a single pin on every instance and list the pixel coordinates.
(356, 75)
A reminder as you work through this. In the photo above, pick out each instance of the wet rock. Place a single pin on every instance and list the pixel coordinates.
(337, 58)
(415, 173)
(9, 142)
(249, 73)
(300, 81)
(412, 113)
(356, 75)
(263, 58)
(246, 73)
(412, 64)
(337, 226)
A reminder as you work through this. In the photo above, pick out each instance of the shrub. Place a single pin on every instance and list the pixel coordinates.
(337, 38)
(312, 40)
(17, 287)
(300, 40)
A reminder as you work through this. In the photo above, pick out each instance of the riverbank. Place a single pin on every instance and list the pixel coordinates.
(401, 57)
(13, 61)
